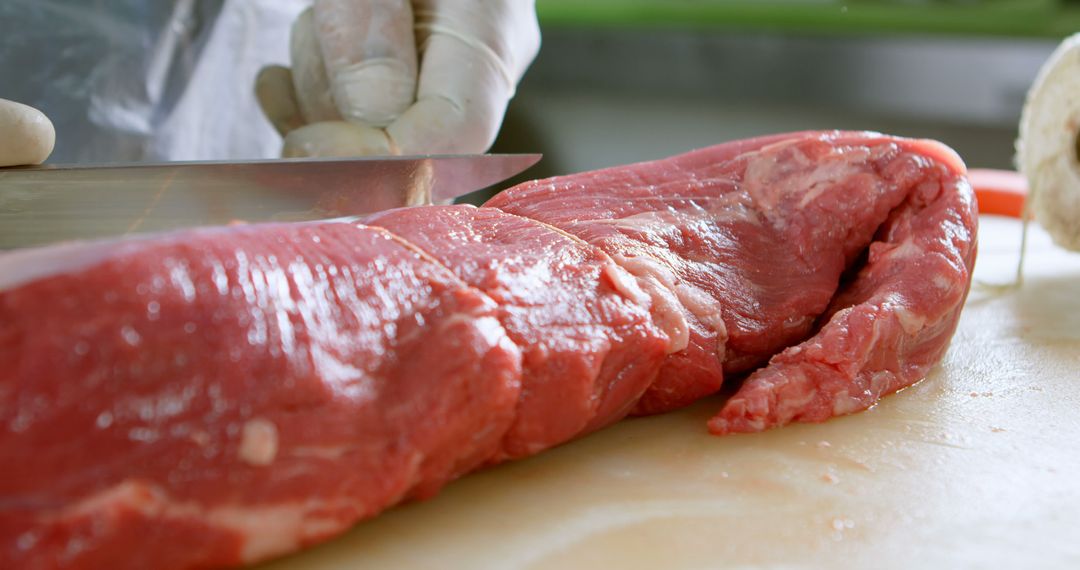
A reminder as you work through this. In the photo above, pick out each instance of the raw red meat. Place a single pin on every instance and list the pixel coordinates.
(743, 246)
(228, 395)
(888, 327)
(589, 348)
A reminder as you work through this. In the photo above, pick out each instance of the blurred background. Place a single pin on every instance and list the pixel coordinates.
(616, 81)
(619, 81)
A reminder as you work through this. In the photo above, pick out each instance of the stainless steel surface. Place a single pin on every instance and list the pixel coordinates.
(40, 205)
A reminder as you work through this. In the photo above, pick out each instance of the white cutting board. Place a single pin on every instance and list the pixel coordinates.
(976, 467)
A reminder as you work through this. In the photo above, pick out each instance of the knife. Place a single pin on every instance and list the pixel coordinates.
(45, 204)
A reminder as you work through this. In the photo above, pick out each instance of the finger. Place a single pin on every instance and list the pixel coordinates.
(507, 29)
(471, 63)
(370, 56)
(27, 136)
(277, 98)
(312, 85)
(336, 138)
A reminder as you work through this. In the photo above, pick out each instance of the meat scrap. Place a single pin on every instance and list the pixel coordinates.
(229, 395)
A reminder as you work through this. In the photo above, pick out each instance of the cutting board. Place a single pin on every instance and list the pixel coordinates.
(976, 466)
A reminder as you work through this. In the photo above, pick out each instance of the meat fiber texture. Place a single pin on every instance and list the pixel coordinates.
(221, 396)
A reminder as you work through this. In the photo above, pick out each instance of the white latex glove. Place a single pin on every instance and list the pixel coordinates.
(399, 77)
(26, 134)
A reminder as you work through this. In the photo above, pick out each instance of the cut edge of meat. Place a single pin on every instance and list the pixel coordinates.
(675, 303)
(607, 376)
(890, 325)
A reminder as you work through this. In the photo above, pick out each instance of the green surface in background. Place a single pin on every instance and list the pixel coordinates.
(1032, 18)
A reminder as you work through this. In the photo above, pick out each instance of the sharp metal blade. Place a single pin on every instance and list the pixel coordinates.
(46, 204)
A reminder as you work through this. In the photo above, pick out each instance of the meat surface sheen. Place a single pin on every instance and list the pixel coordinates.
(228, 395)
(588, 345)
(743, 246)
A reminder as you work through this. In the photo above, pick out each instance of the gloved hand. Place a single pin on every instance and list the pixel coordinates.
(399, 77)
(26, 134)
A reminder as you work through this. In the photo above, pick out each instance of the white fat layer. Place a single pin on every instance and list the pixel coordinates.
(792, 403)
(672, 297)
(625, 284)
(769, 183)
(722, 209)
(879, 382)
(267, 530)
(906, 249)
(703, 306)
(658, 281)
(844, 403)
(910, 321)
(258, 442)
(943, 283)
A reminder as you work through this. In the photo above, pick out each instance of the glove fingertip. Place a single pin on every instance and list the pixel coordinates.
(374, 92)
(336, 139)
(28, 134)
(277, 98)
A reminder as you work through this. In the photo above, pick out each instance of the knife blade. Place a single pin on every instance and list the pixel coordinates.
(45, 204)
